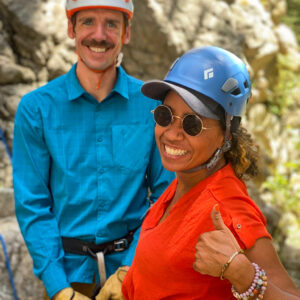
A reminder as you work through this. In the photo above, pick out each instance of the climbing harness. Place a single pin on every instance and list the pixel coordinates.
(97, 252)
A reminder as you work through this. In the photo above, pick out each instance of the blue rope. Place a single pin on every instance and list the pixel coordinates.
(2, 137)
(11, 278)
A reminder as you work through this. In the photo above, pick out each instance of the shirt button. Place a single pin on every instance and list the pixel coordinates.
(238, 226)
(99, 140)
(101, 171)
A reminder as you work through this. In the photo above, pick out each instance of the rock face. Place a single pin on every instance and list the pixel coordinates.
(26, 284)
(34, 49)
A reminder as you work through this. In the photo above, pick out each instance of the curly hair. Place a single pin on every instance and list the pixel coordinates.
(244, 154)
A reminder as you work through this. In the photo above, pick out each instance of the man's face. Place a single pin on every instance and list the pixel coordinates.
(98, 36)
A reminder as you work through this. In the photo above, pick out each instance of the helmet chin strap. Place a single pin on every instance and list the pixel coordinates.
(218, 153)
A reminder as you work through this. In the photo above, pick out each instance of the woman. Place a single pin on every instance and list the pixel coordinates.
(199, 137)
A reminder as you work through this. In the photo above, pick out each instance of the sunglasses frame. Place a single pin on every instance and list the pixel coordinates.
(181, 118)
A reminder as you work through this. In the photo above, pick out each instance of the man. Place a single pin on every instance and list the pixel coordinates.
(84, 158)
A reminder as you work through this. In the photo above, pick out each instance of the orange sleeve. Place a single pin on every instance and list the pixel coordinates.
(241, 214)
(245, 220)
(248, 228)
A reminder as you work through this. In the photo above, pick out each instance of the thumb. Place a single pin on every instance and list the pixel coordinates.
(104, 294)
(217, 218)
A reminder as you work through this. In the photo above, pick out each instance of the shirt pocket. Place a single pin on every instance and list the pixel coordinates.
(132, 145)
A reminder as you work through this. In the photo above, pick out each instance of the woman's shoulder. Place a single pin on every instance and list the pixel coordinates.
(240, 213)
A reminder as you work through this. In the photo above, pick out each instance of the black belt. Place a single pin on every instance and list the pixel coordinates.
(77, 246)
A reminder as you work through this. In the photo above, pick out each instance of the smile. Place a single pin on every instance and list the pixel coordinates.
(175, 152)
(98, 50)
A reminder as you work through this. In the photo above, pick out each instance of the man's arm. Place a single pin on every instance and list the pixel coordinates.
(33, 200)
(158, 179)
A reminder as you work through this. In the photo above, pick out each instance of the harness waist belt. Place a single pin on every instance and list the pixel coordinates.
(77, 246)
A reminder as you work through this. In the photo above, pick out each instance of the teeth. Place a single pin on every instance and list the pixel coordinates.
(173, 151)
(98, 50)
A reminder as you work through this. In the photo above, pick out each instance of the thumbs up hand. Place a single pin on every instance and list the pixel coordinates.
(214, 248)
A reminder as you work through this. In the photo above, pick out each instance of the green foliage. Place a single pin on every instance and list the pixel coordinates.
(284, 92)
(285, 196)
(292, 18)
(285, 190)
(282, 187)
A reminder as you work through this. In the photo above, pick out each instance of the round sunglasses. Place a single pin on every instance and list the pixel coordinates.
(191, 123)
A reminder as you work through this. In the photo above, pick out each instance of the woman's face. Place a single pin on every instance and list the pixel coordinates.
(180, 151)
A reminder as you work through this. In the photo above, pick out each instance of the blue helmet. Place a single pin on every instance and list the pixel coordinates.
(215, 73)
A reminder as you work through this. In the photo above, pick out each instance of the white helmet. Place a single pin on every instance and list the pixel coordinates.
(125, 6)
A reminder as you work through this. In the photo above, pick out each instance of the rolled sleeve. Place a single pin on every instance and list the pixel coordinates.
(249, 229)
(245, 220)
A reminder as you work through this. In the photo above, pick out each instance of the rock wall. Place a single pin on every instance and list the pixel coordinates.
(34, 49)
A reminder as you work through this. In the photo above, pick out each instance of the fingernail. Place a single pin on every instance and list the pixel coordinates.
(217, 207)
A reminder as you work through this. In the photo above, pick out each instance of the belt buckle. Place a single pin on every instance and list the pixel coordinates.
(120, 245)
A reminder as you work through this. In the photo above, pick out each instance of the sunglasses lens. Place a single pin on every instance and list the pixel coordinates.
(192, 125)
(162, 116)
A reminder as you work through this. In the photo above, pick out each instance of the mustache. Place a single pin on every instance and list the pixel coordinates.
(95, 43)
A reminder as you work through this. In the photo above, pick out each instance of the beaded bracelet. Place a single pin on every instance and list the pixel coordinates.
(257, 288)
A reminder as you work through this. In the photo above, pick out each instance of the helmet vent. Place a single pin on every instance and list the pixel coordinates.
(246, 85)
(236, 92)
(229, 84)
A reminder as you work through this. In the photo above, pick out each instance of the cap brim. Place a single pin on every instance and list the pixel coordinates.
(158, 89)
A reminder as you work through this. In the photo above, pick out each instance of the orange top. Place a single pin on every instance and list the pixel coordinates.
(163, 263)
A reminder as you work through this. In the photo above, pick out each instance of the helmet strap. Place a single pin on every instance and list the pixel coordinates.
(218, 153)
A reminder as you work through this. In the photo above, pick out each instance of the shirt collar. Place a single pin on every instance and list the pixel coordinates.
(75, 90)
(121, 86)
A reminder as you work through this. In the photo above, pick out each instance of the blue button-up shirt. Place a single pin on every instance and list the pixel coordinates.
(83, 169)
